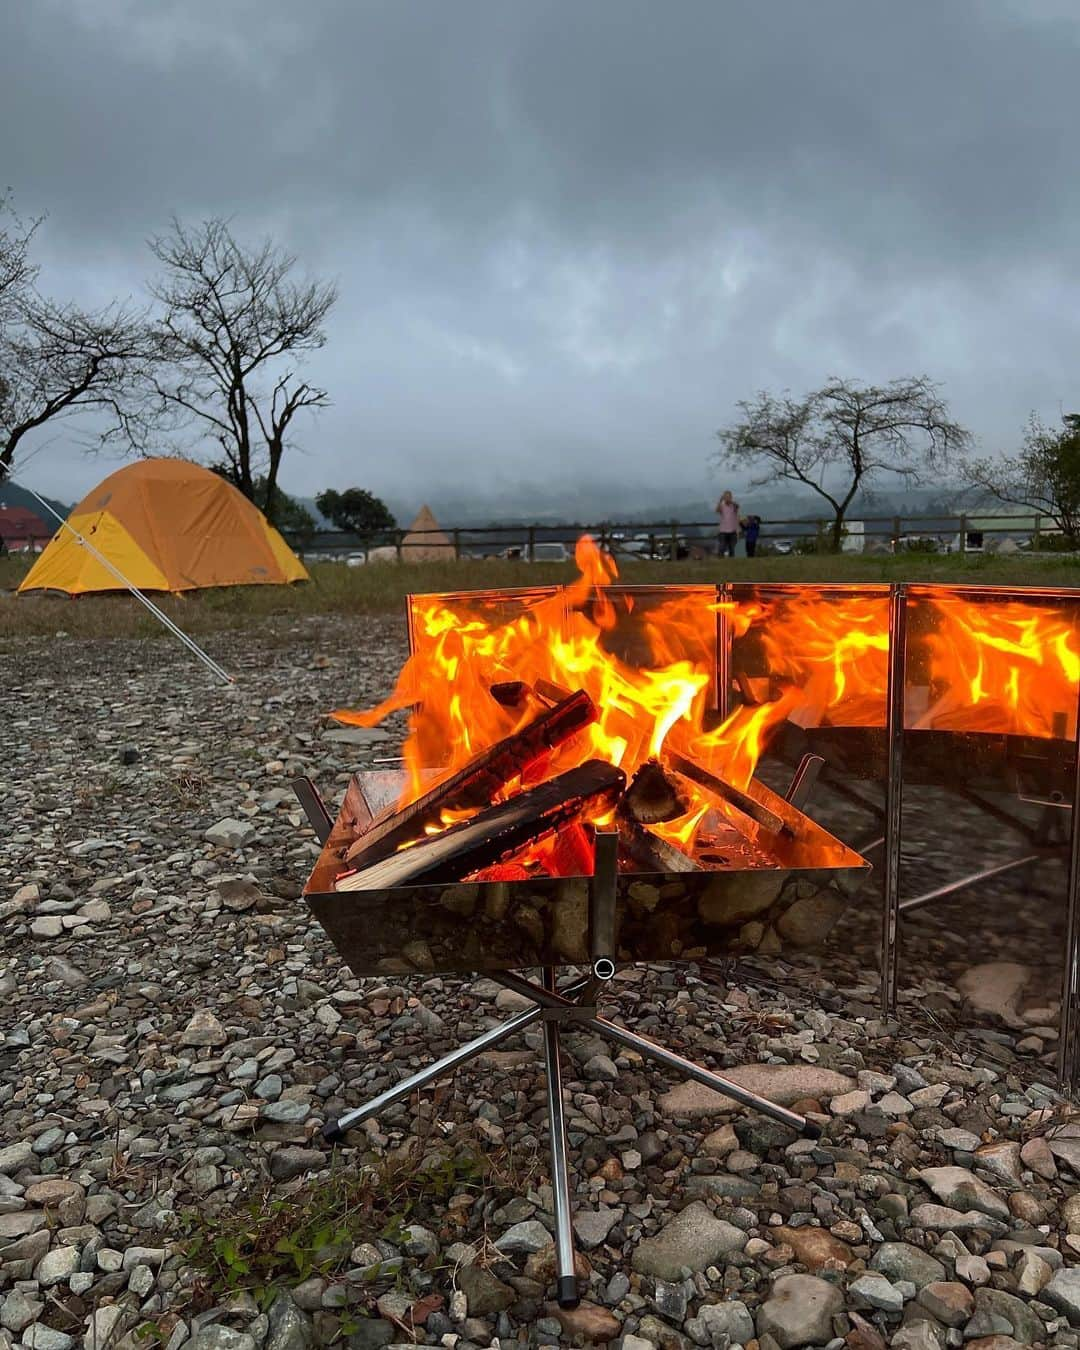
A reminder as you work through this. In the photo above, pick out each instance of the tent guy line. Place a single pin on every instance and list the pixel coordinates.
(158, 614)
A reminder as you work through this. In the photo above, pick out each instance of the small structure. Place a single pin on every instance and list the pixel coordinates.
(425, 540)
(166, 525)
(21, 531)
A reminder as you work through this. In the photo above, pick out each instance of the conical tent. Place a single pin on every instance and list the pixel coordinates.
(425, 541)
(167, 525)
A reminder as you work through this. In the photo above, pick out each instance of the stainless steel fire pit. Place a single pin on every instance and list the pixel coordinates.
(859, 690)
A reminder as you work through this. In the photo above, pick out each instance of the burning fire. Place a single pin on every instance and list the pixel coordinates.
(1000, 666)
(649, 668)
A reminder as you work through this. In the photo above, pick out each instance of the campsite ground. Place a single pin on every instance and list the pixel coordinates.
(172, 1037)
(337, 589)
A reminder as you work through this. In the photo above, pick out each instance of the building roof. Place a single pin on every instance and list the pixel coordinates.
(17, 524)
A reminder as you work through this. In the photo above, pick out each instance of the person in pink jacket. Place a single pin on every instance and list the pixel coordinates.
(727, 509)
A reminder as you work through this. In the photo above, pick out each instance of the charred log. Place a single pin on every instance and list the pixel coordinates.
(648, 851)
(728, 792)
(653, 795)
(478, 782)
(511, 693)
(496, 833)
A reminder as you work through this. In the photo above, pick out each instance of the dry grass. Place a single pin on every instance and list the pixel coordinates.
(381, 588)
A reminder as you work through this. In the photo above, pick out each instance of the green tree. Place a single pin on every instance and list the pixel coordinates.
(356, 510)
(842, 437)
(1043, 475)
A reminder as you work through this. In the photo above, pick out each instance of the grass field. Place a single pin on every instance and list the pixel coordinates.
(381, 588)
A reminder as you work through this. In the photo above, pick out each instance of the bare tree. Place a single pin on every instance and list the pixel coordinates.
(17, 272)
(844, 436)
(231, 319)
(1044, 475)
(60, 360)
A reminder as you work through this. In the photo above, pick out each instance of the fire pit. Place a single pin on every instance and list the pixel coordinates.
(580, 787)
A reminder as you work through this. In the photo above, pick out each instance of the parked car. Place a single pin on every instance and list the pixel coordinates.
(356, 559)
(546, 551)
(550, 552)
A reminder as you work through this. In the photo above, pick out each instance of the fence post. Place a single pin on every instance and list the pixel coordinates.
(963, 534)
(457, 544)
(399, 535)
(1035, 538)
(674, 540)
(819, 543)
(532, 543)
(895, 533)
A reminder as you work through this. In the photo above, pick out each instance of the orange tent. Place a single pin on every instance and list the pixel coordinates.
(167, 525)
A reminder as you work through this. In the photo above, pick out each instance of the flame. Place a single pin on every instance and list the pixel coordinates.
(648, 663)
(998, 666)
(569, 640)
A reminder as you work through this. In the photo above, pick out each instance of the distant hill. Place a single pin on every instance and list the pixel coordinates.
(11, 494)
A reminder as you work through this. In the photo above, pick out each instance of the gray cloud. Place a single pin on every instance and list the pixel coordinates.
(569, 237)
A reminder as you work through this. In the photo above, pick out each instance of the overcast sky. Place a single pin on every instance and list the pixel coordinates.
(570, 236)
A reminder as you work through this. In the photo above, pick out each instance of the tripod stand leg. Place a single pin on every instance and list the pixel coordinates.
(716, 1081)
(334, 1130)
(566, 1279)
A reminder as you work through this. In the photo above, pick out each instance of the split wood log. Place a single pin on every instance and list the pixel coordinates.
(653, 795)
(510, 693)
(728, 792)
(478, 782)
(494, 834)
(648, 850)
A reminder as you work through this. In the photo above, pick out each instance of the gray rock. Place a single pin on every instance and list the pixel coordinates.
(101, 1327)
(203, 1029)
(732, 1320)
(593, 1225)
(15, 1156)
(287, 1111)
(56, 1266)
(48, 1141)
(694, 1238)
(1063, 1293)
(485, 1294)
(238, 894)
(943, 1219)
(901, 1261)
(524, 1238)
(290, 1328)
(875, 1291)
(960, 1189)
(142, 1256)
(600, 1067)
(419, 1241)
(286, 1163)
(799, 1311)
(229, 833)
(18, 1310)
(41, 1337)
(217, 1337)
(1000, 1314)
(141, 1281)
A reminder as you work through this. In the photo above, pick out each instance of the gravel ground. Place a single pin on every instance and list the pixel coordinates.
(175, 1028)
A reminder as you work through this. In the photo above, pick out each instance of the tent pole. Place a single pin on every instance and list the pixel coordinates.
(158, 614)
